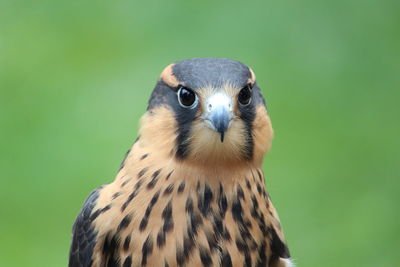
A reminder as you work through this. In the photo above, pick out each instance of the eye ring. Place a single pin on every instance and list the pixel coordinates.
(245, 95)
(186, 97)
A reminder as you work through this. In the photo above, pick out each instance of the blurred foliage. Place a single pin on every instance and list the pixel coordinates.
(75, 77)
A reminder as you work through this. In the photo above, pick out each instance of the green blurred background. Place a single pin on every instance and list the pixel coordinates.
(75, 77)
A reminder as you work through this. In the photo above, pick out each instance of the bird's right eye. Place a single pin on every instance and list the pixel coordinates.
(187, 98)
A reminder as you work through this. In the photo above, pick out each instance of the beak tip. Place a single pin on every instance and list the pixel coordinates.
(222, 136)
(220, 119)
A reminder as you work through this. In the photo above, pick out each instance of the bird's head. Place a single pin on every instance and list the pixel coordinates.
(208, 111)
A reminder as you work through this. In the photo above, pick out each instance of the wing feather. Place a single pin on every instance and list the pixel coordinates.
(83, 234)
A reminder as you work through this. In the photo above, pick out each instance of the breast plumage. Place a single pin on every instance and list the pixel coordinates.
(190, 191)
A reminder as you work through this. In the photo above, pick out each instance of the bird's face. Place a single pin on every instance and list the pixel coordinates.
(213, 110)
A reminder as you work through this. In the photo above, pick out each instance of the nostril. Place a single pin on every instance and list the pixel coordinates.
(209, 107)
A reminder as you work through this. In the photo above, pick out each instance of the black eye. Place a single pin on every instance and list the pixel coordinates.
(244, 96)
(186, 97)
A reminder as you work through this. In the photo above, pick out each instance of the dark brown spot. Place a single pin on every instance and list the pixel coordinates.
(205, 256)
(130, 197)
(168, 190)
(124, 160)
(138, 184)
(169, 175)
(261, 224)
(240, 193)
(144, 156)
(254, 211)
(278, 248)
(247, 223)
(125, 222)
(259, 188)
(248, 184)
(180, 256)
(247, 259)
(128, 262)
(99, 211)
(146, 216)
(126, 182)
(262, 257)
(142, 172)
(260, 176)
(167, 216)
(189, 205)
(212, 240)
(127, 242)
(194, 221)
(204, 200)
(254, 178)
(237, 210)
(226, 259)
(227, 235)
(154, 179)
(110, 248)
(241, 245)
(161, 238)
(188, 246)
(264, 194)
(114, 196)
(181, 187)
(222, 202)
(243, 248)
(218, 227)
(147, 249)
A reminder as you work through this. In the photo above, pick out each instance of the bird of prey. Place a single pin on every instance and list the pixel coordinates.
(190, 191)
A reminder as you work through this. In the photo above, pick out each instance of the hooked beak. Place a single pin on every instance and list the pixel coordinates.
(219, 113)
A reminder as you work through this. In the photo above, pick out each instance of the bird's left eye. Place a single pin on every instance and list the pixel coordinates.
(187, 98)
(244, 96)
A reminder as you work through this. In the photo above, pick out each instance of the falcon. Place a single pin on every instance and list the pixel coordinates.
(191, 190)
